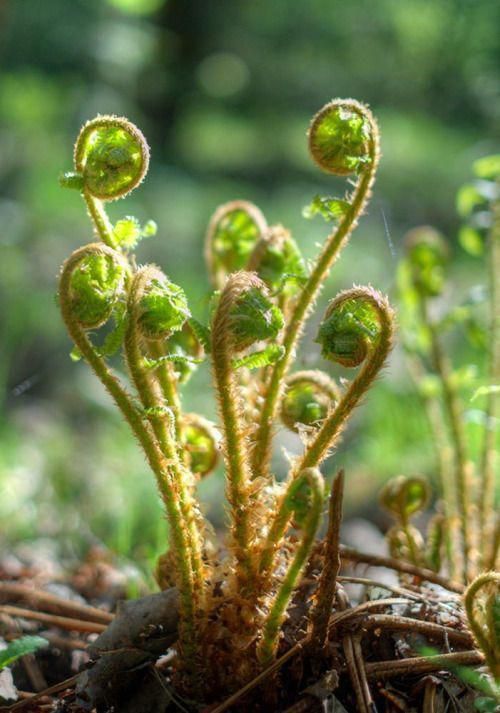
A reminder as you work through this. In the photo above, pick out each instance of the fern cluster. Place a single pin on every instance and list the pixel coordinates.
(233, 602)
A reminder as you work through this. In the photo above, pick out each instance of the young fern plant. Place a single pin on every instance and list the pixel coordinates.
(233, 602)
(468, 488)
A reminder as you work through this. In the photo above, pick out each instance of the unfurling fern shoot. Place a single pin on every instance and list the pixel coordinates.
(233, 601)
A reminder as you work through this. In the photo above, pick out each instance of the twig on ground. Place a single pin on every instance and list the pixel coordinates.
(61, 622)
(403, 623)
(427, 575)
(34, 673)
(52, 603)
(423, 664)
(368, 582)
(354, 660)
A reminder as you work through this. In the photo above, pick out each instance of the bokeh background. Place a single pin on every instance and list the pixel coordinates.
(224, 92)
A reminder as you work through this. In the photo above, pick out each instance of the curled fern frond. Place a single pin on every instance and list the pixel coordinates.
(250, 315)
(482, 604)
(349, 330)
(233, 231)
(275, 255)
(339, 137)
(162, 309)
(343, 139)
(308, 398)
(201, 441)
(427, 256)
(357, 331)
(96, 283)
(404, 496)
(112, 156)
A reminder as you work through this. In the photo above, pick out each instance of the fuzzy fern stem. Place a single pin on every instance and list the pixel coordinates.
(308, 524)
(140, 428)
(184, 522)
(330, 252)
(224, 345)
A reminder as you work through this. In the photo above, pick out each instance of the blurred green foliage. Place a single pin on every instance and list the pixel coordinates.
(224, 92)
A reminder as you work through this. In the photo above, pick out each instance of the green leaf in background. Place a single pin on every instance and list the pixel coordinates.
(488, 167)
(464, 377)
(485, 391)
(471, 240)
(468, 199)
(137, 7)
(21, 647)
(430, 386)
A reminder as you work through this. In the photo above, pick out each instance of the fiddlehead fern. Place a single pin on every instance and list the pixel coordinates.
(156, 309)
(97, 282)
(357, 330)
(69, 298)
(303, 501)
(245, 315)
(259, 273)
(277, 260)
(111, 158)
(343, 140)
(482, 604)
(233, 231)
(201, 443)
(403, 497)
(308, 399)
(427, 256)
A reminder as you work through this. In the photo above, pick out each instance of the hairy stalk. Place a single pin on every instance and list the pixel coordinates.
(453, 412)
(334, 244)
(235, 447)
(185, 521)
(99, 217)
(280, 523)
(168, 384)
(489, 454)
(141, 430)
(268, 644)
(374, 360)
